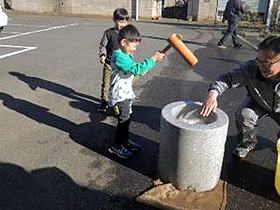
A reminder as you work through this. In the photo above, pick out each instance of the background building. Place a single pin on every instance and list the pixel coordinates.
(198, 10)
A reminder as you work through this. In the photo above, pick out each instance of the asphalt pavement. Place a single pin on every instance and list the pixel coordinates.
(53, 147)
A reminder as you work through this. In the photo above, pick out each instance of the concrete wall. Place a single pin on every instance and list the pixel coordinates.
(34, 6)
(193, 9)
(150, 8)
(202, 9)
(207, 10)
(147, 8)
(169, 3)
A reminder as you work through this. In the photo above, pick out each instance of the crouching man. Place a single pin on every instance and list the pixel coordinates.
(261, 77)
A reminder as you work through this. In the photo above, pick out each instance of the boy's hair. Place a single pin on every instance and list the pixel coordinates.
(271, 44)
(120, 14)
(130, 33)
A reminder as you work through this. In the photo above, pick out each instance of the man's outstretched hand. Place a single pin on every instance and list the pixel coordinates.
(209, 105)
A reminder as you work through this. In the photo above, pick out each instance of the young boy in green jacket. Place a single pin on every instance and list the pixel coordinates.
(121, 92)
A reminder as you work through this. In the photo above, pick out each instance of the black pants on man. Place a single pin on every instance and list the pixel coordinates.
(231, 31)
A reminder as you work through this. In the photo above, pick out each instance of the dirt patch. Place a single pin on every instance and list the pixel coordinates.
(166, 196)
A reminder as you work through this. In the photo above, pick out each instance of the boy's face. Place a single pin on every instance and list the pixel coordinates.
(129, 47)
(269, 64)
(119, 24)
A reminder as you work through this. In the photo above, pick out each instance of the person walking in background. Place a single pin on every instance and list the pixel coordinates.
(261, 77)
(121, 92)
(232, 16)
(109, 43)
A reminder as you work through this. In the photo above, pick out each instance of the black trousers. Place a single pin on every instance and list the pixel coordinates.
(122, 130)
(232, 30)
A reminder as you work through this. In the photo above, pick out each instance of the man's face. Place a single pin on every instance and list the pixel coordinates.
(269, 64)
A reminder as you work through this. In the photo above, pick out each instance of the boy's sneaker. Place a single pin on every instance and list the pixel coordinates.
(116, 110)
(121, 151)
(103, 107)
(221, 46)
(132, 146)
(238, 46)
(242, 151)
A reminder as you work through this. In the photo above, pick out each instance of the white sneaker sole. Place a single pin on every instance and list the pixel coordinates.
(221, 47)
(120, 156)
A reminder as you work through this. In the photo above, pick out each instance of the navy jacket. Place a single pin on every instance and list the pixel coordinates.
(232, 11)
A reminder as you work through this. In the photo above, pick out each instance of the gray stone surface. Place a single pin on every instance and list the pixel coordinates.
(191, 147)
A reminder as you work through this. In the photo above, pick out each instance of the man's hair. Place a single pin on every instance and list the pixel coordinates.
(120, 14)
(130, 33)
(271, 44)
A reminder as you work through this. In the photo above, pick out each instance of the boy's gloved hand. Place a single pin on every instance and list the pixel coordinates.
(102, 59)
(158, 56)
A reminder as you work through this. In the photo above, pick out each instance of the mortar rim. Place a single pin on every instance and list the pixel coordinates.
(222, 118)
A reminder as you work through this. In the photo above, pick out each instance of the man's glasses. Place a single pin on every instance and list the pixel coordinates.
(266, 63)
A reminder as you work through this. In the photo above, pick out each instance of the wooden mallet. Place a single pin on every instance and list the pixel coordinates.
(175, 41)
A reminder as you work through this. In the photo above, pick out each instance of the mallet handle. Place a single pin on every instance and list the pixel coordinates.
(179, 36)
(166, 48)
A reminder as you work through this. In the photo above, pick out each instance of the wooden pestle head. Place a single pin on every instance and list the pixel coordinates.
(175, 41)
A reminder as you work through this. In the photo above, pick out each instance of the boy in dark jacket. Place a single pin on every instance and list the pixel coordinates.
(232, 16)
(261, 77)
(109, 43)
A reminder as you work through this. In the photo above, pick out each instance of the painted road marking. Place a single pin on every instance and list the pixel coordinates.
(28, 25)
(38, 31)
(9, 32)
(24, 49)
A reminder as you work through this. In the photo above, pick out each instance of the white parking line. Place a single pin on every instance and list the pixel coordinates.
(38, 31)
(28, 25)
(9, 32)
(24, 49)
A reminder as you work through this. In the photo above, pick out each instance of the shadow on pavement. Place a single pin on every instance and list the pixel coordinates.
(35, 82)
(52, 189)
(245, 174)
(95, 135)
(98, 135)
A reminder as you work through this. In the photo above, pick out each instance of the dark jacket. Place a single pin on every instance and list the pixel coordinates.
(233, 10)
(108, 43)
(265, 92)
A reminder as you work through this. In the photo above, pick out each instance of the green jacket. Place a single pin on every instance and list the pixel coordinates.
(126, 63)
(124, 69)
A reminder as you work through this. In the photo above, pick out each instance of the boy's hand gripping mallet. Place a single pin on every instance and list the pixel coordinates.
(175, 41)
